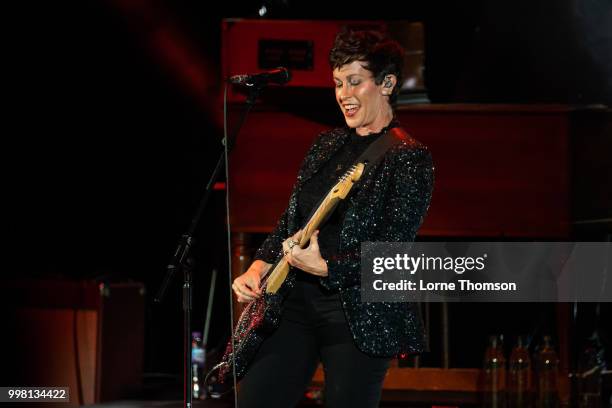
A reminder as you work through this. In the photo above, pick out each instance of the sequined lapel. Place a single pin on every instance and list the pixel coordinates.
(324, 151)
(319, 155)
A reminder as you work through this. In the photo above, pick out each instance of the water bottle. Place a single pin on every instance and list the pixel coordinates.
(548, 373)
(198, 359)
(519, 376)
(494, 373)
(591, 364)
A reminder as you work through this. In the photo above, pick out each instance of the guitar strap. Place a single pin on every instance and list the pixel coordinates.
(375, 152)
(372, 155)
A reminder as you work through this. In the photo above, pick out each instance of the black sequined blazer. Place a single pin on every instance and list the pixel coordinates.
(389, 204)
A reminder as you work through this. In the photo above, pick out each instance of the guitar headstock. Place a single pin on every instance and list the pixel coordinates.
(352, 175)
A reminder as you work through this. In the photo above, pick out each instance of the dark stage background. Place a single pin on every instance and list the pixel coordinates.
(113, 112)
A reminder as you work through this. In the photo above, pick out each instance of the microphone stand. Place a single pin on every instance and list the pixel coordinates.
(182, 260)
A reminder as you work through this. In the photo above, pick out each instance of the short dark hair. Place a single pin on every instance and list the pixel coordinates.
(382, 55)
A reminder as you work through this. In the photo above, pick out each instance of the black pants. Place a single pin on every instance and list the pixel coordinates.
(313, 329)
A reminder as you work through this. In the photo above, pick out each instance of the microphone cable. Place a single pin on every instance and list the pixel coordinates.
(229, 243)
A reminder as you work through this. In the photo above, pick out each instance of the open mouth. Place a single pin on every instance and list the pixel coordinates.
(350, 109)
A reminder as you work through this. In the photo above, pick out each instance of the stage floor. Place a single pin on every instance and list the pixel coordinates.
(229, 404)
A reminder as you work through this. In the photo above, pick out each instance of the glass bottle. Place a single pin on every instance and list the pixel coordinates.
(494, 374)
(198, 359)
(519, 376)
(547, 366)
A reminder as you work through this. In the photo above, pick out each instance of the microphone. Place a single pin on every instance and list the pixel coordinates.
(278, 76)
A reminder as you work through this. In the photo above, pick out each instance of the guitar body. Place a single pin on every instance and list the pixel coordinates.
(257, 322)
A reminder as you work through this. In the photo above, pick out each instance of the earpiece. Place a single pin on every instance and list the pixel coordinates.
(388, 84)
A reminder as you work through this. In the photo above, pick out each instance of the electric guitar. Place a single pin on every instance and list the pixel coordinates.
(262, 315)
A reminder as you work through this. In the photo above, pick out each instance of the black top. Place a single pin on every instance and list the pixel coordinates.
(308, 293)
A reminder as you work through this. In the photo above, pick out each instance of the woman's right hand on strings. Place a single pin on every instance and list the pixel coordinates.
(246, 286)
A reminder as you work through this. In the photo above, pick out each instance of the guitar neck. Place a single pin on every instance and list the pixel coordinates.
(323, 211)
(279, 271)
